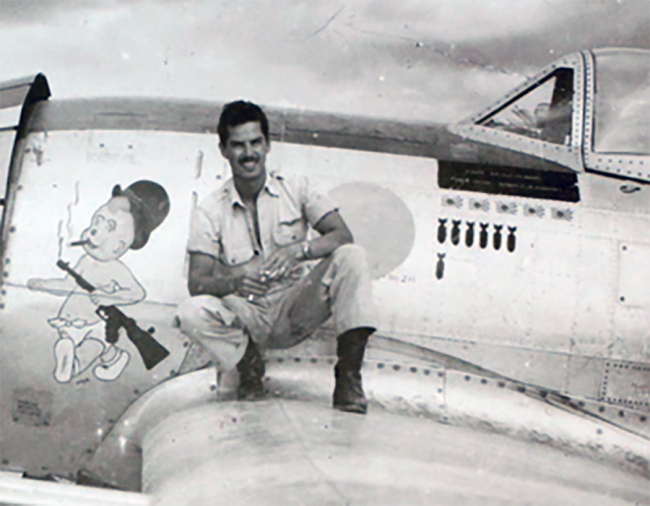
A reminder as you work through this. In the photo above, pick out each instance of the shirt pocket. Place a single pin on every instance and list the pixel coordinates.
(237, 255)
(236, 243)
(286, 233)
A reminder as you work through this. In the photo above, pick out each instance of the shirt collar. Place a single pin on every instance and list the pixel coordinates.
(231, 193)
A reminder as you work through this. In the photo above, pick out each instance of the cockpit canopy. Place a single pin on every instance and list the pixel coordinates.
(586, 111)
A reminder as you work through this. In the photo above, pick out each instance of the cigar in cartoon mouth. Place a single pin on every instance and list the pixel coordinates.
(80, 243)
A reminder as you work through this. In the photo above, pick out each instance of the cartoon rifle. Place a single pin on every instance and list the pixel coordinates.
(151, 351)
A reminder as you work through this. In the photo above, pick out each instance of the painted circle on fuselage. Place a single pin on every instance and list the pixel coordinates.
(380, 221)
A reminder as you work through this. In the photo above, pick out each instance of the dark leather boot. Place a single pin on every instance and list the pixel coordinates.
(348, 392)
(251, 371)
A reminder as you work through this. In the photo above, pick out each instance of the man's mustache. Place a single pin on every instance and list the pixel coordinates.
(245, 159)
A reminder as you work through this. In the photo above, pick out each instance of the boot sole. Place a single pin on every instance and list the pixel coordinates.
(252, 395)
(352, 408)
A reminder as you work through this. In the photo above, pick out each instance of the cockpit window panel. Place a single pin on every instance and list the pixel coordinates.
(622, 103)
(555, 134)
(621, 162)
(542, 112)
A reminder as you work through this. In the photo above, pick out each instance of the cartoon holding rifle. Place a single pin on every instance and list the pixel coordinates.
(89, 320)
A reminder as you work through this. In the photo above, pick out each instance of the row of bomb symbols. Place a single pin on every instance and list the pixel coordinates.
(500, 232)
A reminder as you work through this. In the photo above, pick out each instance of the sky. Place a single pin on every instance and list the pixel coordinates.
(433, 60)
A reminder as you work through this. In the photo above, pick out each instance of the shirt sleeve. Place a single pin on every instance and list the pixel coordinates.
(205, 235)
(314, 204)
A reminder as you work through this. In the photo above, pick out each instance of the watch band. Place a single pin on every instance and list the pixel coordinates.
(306, 250)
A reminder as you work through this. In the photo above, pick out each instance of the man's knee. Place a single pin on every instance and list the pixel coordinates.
(189, 310)
(350, 256)
(193, 310)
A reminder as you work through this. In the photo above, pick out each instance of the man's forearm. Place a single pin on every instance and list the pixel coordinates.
(219, 287)
(324, 245)
(221, 283)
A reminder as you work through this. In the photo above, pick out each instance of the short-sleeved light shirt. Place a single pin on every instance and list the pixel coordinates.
(223, 228)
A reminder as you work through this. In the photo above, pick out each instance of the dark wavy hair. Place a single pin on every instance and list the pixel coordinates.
(240, 112)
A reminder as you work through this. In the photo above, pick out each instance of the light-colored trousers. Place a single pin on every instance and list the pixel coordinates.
(338, 286)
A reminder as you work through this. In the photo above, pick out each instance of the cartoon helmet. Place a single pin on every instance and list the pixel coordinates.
(149, 204)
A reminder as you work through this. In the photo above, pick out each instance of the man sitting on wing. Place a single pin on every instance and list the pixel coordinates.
(250, 289)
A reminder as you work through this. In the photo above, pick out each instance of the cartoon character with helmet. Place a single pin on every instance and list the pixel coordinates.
(124, 222)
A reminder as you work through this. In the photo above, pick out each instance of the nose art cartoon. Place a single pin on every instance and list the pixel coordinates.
(88, 321)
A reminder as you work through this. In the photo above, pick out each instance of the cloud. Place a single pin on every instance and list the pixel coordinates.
(30, 12)
(437, 61)
(460, 20)
(580, 24)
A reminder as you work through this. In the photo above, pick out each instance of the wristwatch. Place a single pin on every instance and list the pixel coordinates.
(305, 248)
